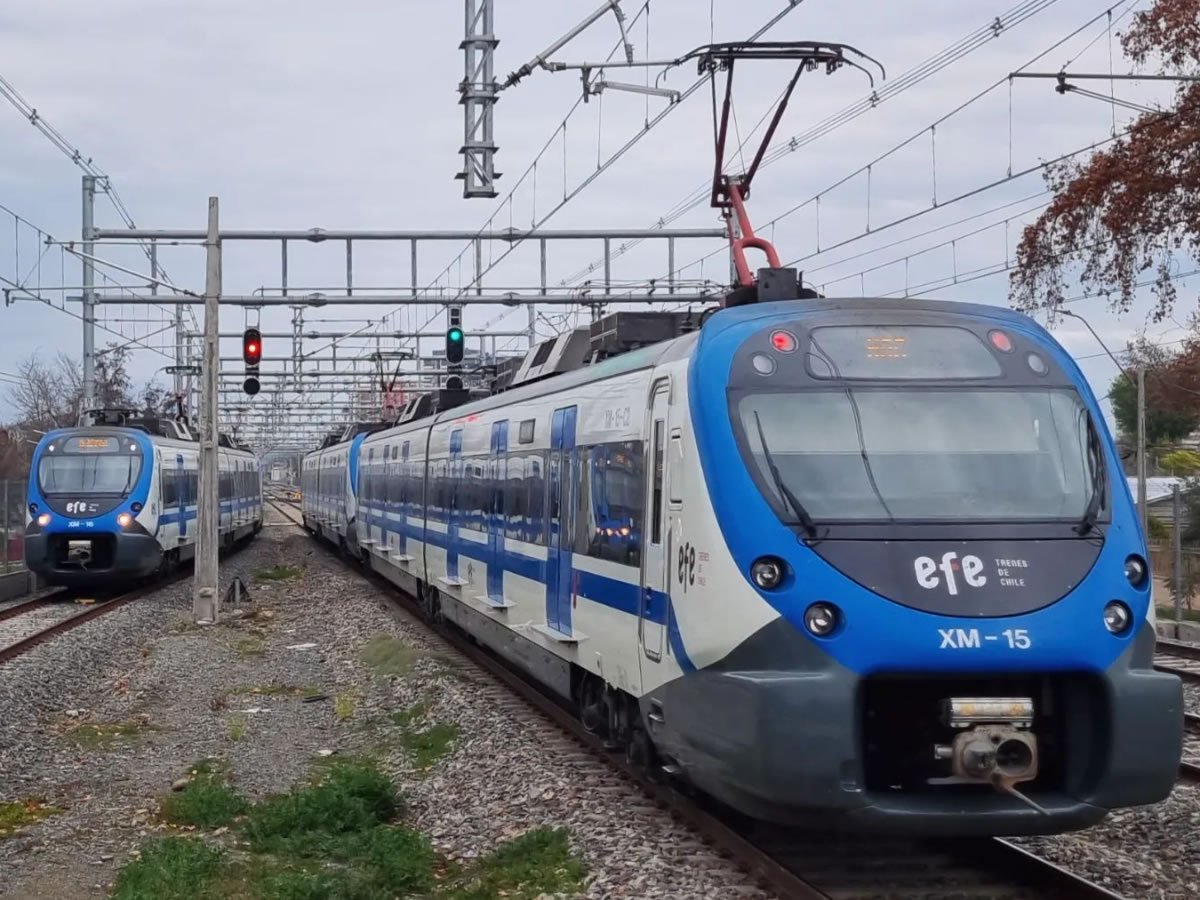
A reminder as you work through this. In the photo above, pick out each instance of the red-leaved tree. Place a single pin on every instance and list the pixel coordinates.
(1133, 207)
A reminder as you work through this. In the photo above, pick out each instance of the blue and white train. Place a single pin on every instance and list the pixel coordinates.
(865, 563)
(115, 500)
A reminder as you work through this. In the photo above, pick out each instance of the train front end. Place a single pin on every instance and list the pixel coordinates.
(932, 521)
(90, 517)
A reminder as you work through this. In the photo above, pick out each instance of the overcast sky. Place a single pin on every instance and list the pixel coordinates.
(299, 113)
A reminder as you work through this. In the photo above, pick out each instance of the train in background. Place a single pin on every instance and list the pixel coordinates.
(114, 500)
(863, 563)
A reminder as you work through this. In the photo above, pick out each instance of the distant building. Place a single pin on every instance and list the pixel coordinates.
(1158, 497)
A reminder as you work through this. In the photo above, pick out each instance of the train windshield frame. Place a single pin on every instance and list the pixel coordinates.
(89, 474)
(875, 454)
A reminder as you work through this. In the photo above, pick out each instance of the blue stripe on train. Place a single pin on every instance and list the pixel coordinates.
(614, 593)
(171, 518)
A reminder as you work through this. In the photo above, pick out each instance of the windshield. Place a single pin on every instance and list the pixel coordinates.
(107, 474)
(881, 454)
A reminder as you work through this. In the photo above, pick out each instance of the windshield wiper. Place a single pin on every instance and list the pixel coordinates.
(806, 521)
(1096, 467)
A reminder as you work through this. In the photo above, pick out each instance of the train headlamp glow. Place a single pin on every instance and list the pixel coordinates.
(1135, 571)
(821, 619)
(43, 520)
(124, 520)
(767, 572)
(1117, 617)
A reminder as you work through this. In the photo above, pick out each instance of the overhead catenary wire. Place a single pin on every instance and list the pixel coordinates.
(980, 37)
(590, 179)
(86, 163)
(917, 135)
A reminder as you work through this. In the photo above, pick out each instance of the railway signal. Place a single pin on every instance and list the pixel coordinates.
(454, 345)
(252, 355)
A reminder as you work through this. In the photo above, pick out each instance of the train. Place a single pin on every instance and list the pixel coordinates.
(113, 501)
(863, 564)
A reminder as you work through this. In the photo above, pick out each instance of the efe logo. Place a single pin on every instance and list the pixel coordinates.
(971, 568)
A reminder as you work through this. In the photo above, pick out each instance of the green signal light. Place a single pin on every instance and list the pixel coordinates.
(455, 334)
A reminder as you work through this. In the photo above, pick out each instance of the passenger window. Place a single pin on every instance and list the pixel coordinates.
(676, 479)
(656, 499)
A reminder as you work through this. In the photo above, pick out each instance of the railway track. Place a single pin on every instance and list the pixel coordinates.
(1189, 767)
(788, 863)
(25, 625)
(1179, 659)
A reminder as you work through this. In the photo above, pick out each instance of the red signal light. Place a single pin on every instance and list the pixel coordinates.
(783, 341)
(252, 346)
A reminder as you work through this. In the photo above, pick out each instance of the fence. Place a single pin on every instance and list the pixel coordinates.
(12, 526)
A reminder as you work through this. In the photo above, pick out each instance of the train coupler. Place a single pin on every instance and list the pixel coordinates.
(994, 745)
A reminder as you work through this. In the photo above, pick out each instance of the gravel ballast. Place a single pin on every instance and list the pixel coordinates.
(183, 693)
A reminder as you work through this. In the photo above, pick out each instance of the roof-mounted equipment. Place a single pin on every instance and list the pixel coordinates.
(730, 192)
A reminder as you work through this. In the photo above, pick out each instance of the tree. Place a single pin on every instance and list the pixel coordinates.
(1136, 205)
(1171, 413)
(1163, 426)
(50, 393)
(1180, 462)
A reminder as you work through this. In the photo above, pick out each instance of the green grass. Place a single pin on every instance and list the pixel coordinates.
(336, 838)
(406, 717)
(427, 747)
(170, 869)
(237, 728)
(344, 705)
(103, 736)
(206, 802)
(352, 796)
(279, 573)
(21, 813)
(537, 863)
(386, 655)
(276, 689)
(250, 646)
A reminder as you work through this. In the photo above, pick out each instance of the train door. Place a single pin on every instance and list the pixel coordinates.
(400, 491)
(656, 551)
(558, 563)
(454, 479)
(496, 522)
(182, 496)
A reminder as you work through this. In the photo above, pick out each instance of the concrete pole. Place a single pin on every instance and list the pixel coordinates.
(204, 597)
(89, 292)
(1177, 540)
(1141, 450)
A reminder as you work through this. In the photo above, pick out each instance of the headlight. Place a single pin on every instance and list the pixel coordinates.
(821, 619)
(124, 519)
(1117, 617)
(43, 520)
(767, 572)
(1135, 570)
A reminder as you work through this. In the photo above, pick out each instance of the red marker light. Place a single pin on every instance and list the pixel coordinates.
(783, 341)
(1001, 341)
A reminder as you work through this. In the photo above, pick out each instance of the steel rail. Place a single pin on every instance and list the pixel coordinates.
(25, 644)
(1178, 648)
(26, 606)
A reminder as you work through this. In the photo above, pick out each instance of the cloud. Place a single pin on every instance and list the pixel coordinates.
(300, 113)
